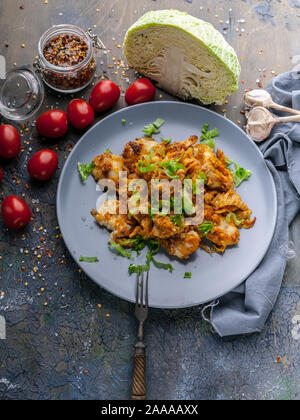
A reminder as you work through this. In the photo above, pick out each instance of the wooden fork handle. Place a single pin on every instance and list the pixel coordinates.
(138, 391)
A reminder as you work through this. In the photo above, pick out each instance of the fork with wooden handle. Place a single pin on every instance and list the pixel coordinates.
(138, 391)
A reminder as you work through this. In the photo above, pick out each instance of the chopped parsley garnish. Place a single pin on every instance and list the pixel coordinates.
(176, 204)
(89, 259)
(145, 167)
(200, 176)
(171, 167)
(232, 217)
(137, 244)
(177, 219)
(150, 129)
(188, 275)
(158, 123)
(154, 248)
(123, 122)
(208, 135)
(120, 249)
(132, 269)
(210, 143)
(85, 170)
(188, 205)
(166, 141)
(163, 266)
(206, 227)
(239, 174)
(153, 128)
(108, 151)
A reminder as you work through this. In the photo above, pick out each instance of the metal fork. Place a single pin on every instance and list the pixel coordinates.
(138, 391)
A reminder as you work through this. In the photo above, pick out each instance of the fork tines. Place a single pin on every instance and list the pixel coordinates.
(142, 290)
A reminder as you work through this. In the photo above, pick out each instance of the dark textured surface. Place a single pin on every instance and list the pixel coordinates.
(73, 348)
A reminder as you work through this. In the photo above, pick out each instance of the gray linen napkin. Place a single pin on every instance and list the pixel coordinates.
(246, 309)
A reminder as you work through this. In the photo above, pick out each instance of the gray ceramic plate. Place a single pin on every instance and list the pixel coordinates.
(212, 275)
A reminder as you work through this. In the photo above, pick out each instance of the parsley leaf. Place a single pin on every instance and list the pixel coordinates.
(145, 167)
(89, 259)
(210, 143)
(120, 249)
(240, 174)
(208, 135)
(206, 227)
(200, 176)
(177, 219)
(188, 275)
(153, 128)
(171, 167)
(166, 141)
(85, 170)
(158, 264)
(154, 248)
(236, 221)
(137, 244)
(132, 269)
(159, 122)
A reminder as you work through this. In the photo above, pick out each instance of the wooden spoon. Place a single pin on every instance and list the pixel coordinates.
(260, 97)
(261, 121)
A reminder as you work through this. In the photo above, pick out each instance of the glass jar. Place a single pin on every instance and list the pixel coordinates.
(66, 58)
(21, 94)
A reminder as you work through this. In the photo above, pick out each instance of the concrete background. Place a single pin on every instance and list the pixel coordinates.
(80, 345)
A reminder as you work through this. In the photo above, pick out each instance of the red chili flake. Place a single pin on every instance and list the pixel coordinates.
(278, 359)
(48, 252)
(23, 268)
(259, 84)
(242, 112)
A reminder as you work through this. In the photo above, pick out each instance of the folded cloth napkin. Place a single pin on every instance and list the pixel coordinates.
(246, 309)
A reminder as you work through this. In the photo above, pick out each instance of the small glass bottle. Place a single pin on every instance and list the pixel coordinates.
(66, 58)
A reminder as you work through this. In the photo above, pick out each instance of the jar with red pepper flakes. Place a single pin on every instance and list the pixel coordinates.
(66, 59)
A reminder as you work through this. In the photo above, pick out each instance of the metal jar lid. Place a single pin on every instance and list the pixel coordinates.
(21, 94)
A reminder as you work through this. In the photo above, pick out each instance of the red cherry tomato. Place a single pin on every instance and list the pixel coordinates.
(104, 95)
(10, 141)
(142, 90)
(52, 124)
(43, 164)
(80, 114)
(1, 175)
(15, 212)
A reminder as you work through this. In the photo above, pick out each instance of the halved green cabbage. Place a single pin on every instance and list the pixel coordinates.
(187, 56)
